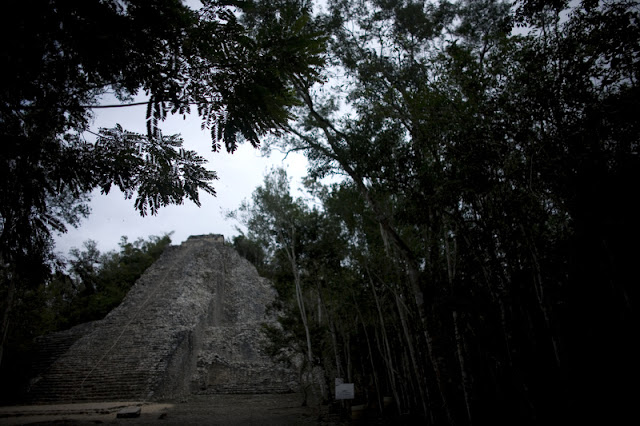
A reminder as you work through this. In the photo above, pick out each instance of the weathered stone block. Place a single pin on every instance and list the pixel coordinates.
(197, 308)
(129, 412)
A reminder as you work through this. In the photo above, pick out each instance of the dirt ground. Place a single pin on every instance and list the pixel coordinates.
(282, 409)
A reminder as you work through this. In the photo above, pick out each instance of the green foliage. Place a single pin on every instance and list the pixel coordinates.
(149, 167)
(485, 208)
(306, 254)
(272, 220)
(229, 60)
(232, 61)
(97, 282)
(94, 283)
(250, 250)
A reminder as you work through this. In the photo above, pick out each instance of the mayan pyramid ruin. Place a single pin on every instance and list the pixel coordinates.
(190, 324)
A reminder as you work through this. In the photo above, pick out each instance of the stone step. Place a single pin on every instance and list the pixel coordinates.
(247, 390)
(165, 331)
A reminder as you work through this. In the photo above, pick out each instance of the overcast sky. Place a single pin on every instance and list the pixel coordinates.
(113, 216)
(239, 174)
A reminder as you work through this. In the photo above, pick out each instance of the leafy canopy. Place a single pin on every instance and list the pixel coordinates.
(232, 61)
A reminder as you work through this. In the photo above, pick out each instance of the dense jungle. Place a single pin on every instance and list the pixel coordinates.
(466, 243)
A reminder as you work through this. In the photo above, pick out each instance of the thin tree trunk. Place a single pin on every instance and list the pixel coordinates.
(373, 366)
(537, 284)
(6, 315)
(416, 370)
(466, 389)
(332, 330)
(333, 135)
(303, 315)
(347, 349)
(336, 352)
(291, 254)
(387, 349)
(463, 370)
(412, 395)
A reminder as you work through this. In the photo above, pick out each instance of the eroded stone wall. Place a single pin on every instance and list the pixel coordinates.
(190, 324)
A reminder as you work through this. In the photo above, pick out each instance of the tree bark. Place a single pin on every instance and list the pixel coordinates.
(6, 315)
(291, 254)
(336, 153)
(416, 370)
(387, 349)
(458, 335)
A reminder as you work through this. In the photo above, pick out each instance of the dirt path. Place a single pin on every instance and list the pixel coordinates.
(197, 410)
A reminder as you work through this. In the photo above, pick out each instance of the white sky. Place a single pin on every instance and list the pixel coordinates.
(239, 174)
(112, 216)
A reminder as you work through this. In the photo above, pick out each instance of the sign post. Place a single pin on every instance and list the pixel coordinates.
(344, 390)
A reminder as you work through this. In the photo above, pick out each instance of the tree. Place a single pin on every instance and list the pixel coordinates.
(250, 250)
(102, 280)
(275, 219)
(225, 60)
(495, 166)
(94, 284)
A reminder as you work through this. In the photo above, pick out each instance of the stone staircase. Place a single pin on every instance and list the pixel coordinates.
(242, 389)
(52, 346)
(159, 343)
(122, 355)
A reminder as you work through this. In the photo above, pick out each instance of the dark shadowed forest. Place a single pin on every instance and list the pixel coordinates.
(475, 257)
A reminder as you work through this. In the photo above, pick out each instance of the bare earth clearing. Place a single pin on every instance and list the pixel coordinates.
(266, 409)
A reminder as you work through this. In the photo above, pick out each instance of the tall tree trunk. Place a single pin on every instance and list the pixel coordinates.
(373, 366)
(338, 154)
(419, 377)
(6, 315)
(291, 254)
(387, 349)
(347, 350)
(540, 295)
(466, 388)
(334, 339)
(303, 316)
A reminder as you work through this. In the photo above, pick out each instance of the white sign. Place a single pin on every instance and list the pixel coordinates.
(345, 391)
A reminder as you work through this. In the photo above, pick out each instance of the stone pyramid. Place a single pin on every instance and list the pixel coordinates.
(190, 324)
